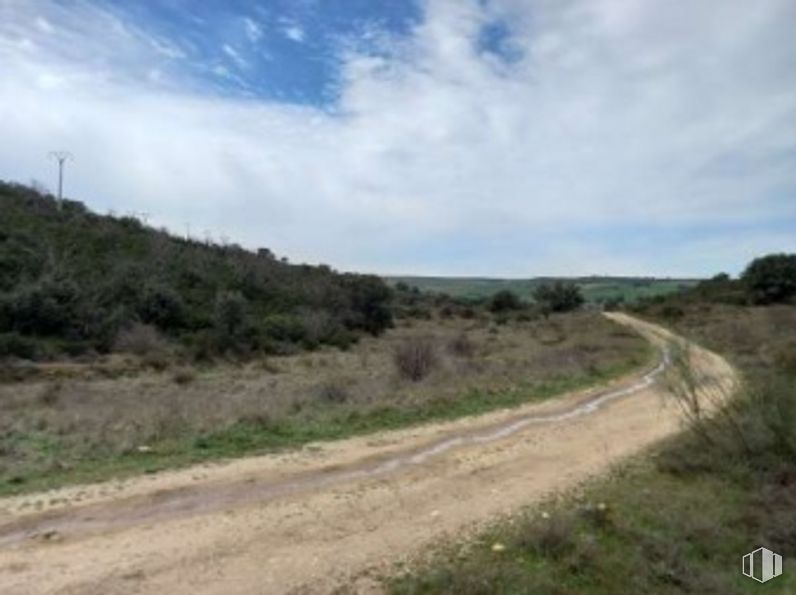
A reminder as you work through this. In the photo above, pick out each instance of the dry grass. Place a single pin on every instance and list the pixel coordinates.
(415, 358)
(49, 424)
(139, 339)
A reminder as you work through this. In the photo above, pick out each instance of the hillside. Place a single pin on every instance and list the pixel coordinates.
(75, 282)
(594, 289)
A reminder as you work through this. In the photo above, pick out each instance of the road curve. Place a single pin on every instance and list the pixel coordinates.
(331, 514)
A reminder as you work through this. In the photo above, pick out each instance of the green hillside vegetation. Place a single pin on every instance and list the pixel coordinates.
(595, 290)
(76, 283)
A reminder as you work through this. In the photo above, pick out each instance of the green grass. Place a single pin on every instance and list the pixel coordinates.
(675, 521)
(594, 289)
(263, 436)
(657, 533)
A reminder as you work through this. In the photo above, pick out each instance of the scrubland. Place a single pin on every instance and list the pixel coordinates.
(69, 422)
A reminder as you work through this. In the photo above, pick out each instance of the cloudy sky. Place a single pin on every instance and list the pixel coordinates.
(482, 137)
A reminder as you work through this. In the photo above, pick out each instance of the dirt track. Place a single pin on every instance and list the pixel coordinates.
(331, 514)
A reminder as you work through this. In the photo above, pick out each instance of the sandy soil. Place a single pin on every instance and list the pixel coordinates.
(335, 514)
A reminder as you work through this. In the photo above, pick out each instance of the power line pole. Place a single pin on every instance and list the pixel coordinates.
(61, 157)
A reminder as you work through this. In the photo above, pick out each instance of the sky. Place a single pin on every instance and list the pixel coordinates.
(504, 138)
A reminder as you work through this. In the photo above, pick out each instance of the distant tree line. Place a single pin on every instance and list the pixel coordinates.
(72, 281)
(767, 280)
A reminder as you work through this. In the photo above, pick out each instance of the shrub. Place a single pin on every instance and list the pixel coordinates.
(505, 300)
(462, 346)
(333, 391)
(285, 328)
(559, 296)
(415, 358)
(15, 345)
(771, 279)
(234, 332)
(370, 302)
(184, 376)
(50, 394)
(784, 355)
(231, 313)
(161, 306)
(551, 537)
(139, 339)
(671, 312)
(316, 327)
(156, 360)
(46, 308)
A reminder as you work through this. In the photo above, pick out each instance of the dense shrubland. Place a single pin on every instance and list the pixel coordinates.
(73, 282)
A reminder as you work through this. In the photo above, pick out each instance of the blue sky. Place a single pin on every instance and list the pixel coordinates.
(280, 50)
(483, 137)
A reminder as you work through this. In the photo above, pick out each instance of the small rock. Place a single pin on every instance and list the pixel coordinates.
(498, 547)
(144, 448)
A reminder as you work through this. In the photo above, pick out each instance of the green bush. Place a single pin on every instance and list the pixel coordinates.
(559, 296)
(15, 345)
(283, 327)
(505, 300)
(161, 306)
(370, 302)
(771, 279)
(49, 307)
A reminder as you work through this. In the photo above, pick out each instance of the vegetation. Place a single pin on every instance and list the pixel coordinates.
(771, 279)
(505, 300)
(74, 422)
(558, 297)
(415, 358)
(595, 290)
(73, 283)
(766, 280)
(676, 522)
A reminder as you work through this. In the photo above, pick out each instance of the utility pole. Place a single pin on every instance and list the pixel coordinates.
(61, 157)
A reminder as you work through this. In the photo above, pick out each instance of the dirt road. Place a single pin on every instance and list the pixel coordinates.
(331, 514)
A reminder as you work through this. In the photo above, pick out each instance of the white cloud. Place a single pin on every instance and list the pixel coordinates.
(44, 25)
(295, 33)
(235, 56)
(618, 116)
(253, 29)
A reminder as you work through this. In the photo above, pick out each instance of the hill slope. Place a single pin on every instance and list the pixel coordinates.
(72, 281)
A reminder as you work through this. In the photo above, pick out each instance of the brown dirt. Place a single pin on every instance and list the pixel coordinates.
(329, 515)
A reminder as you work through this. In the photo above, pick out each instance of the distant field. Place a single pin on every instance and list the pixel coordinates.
(595, 289)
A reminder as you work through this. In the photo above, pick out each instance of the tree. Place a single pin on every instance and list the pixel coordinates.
(231, 314)
(370, 301)
(558, 296)
(771, 279)
(505, 300)
(162, 306)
